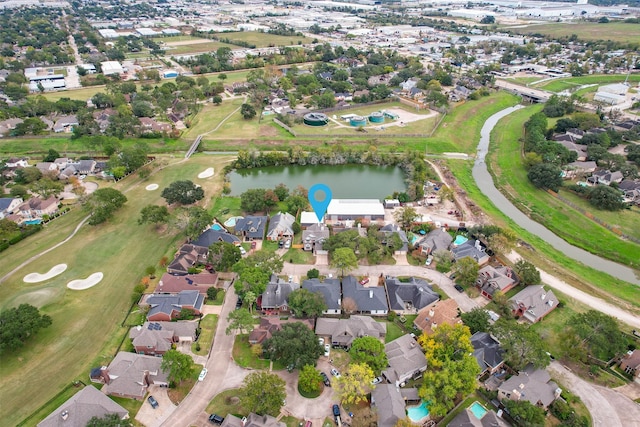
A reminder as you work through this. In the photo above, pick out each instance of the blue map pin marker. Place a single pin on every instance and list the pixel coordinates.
(319, 206)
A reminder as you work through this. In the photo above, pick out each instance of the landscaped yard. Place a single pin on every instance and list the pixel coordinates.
(208, 326)
(243, 356)
(614, 31)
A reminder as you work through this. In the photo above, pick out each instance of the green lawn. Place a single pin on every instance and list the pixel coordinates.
(208, 326)
(83, 335)
(243, 356)
(558, 85)
(227, 402)
(614, 31)
(264, 39)
(394, 331)
(298, 256)
(219, 298)
(210, 46)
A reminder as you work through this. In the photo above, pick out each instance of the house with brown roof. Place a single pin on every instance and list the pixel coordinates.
(269, 325)
(170, 284)
(36, 208)
(630, 363)
(156, 338)
(533, 303)
(437, 313)
(342, 332)
(81, 407)
(532, 385)
(130, 374)
(187, 256)
(492, 279)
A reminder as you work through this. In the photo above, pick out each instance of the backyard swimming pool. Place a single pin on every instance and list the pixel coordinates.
(231, 222)
(216, 227)
(418, 413)
(478, 410)
(460, 239)
(33, 222)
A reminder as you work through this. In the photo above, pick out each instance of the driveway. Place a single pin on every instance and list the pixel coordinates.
(155, 417)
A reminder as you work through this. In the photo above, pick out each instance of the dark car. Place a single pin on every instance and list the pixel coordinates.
(216, 419)
(239, 303)
(325, 379)
(336, 410)
(458, 288)
(153, 402)
(281, 244)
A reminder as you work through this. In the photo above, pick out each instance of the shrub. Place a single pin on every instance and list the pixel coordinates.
(313, 273)
(212, 292)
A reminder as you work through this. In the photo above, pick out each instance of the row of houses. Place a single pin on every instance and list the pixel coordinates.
(35, 209)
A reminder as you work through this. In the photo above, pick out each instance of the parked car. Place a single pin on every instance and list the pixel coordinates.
(203, 374)
(458, 288)
(287, 244)
(243, 251)
(336, 410)
(377, 380)
(364, 281)
(327, 350)
(216, 419)
(153, 402)
(321, 341)
(281, 244)
(429, 260)
(308, 424)
(335, 372)
(253, 244)
(291, 367)
(325, 379)
(239, 303)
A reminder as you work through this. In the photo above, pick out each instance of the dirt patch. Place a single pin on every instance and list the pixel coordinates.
(37, 277)
(38, 298)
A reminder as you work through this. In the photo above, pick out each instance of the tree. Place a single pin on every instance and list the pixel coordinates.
(198, 220)
(500, 243)
(253, 200)
(109, 420)
(600, 334)
(18, 191)
(452, 367)
(182, 192)
(522, 345)
(179, 366)
(151, 271)
(255, 271)
(354, 384)
(17, 324)
(443, 259)
(525, 413)
(344, 259)
(477, 320)
(250, 297)
(239, 320)
(304, 303)
(405, 217)
(27, 175)
(102, 204)
(545, 175)
(51, 156)
(295, 344)
(223, 255)
(296, 203)
(247, 111)
(370, 351)
(46, 187)
(489, 19)
(282, 191)
(606, 198)
(466, 270)
(309, 379)
(314, 273)
(217, 99)
(263, 393)
(154, 214)
(527, 272)
(212, 292)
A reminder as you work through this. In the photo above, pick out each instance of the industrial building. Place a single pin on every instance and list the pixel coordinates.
(353, 209)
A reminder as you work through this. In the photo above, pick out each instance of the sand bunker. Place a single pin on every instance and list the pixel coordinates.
(152, 187)
(81, 284)
(37, 277)
(206, 174)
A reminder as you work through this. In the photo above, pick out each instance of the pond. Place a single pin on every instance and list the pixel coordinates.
(345, 181)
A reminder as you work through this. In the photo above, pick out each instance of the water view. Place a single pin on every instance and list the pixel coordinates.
(345, 181)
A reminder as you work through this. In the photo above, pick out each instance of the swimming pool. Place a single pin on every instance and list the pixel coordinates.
(231, 222)
(478, 410)
(460, 239)
(216, 227)
(418, 413)
(33, 222)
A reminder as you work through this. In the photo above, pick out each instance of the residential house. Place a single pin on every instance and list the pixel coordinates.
(409, 84)
(342, 332)
(8, 205)
(314, 236)
(630, 363)
(62, 163)
(15, 162)
(533, 303)
(251, 420)
(576, 169)
(389, 231)
(274, 299)
(488, 353)
(388, 404)
(65, 123)
(569, 142)
(156, 338)
(85, 167)
(330, 290)
(281, 226)
(406, 360)
(352, 209)
(167, 307)
(211, 236)
(67, 173)
(409, 297)
(467, 418)
(6, 126)
(171, 284)
(576, 133)
(251, 227)
(532, 385)
(81, 407)
(435, 240)
(326, 75)
(269, 325)
(438, 313)
(151, 125)
(492, 279)
(631, 191)
(36, 208)
(365, 300)
(188, 256)
(605, 177)
(129, 374)
(472, 249)
(47, 168)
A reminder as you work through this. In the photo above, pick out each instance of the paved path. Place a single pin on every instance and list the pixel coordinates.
(607, 407)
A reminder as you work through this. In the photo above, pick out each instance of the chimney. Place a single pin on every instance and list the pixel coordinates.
(434, 325)
(370, 293)
(431, 313)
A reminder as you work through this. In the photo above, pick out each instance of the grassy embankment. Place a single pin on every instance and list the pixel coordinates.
(614, 31)
(86, 327)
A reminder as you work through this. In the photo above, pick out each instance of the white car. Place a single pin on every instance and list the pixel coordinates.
(321, 341)
(203, 374)
(335, 372)
(287, 244)
(327, 350)
(243, 251)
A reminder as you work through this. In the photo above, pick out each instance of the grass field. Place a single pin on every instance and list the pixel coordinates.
(208, 325)
(83, 334)
(210, 46)
(569, 83)
(265, 39)
(614, 31)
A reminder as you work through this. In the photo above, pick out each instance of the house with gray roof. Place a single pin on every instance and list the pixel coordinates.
(435, 240)
(342, 332)
(81, 407)
(251, 227)
(251, 420)
(274, 299)
(314, 236)
(389, 404)
(406, 360)
(85, 166)
(129, 375)
(492, 279)
(280, 226)
(532, 385)
(167, 307)
(533, 303)
(156, 338)
(409, 297)
(605, 177)
(269, 325)
(472, 249)
(368, 300)
(467, 418)
(488, 353)
(211, 236)
(330, 290)
(393, 229)
(8, 205)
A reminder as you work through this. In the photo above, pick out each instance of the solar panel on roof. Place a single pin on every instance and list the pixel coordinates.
(150, 326)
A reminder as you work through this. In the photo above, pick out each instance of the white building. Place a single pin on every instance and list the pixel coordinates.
(352, 209)
(111, 67)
